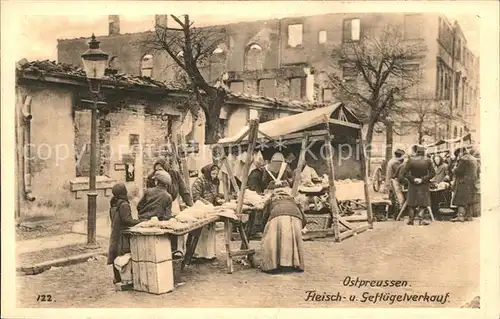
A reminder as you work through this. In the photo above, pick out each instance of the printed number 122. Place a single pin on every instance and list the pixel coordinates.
(44, 298)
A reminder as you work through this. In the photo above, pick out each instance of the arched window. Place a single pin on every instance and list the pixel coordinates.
(218, 62)
(461, 132)
(147, 65)
(455, 132)
(254, 57)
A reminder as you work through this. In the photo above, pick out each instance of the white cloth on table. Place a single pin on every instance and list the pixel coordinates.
(124, 265)
(205, 247)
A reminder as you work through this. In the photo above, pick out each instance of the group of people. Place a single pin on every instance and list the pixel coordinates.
(282, 218)
(419, 173)
(164, 187)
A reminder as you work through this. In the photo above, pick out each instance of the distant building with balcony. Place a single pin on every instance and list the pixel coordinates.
(285, 59)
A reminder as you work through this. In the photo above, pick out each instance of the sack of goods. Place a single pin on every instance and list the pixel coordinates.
(251, 198)
(198, 211)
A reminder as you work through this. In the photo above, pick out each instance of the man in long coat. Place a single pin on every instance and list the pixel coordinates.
(466, 173)
(418, 171)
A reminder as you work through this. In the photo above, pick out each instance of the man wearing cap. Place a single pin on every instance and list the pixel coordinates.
(418, 171)
(156, 201)
(391, 182)
(466, 173)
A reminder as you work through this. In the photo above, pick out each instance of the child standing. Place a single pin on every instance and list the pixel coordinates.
(120, 214)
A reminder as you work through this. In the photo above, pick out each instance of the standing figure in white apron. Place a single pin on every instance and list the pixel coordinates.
(277, 172)
(206, 187)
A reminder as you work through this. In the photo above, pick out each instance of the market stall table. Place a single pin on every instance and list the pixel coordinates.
(438, 195)
(152, 268)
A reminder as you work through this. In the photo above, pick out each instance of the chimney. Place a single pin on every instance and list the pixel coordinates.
(114, 24)
(161, 20)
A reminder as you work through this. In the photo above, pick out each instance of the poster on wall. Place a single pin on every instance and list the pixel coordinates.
(129, 172)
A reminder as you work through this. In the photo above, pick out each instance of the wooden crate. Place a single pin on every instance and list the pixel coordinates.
(317, 221)
(152, 269)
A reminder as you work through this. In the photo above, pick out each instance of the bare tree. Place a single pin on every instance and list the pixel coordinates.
(382, 66)
(420, 116)
(191, 49)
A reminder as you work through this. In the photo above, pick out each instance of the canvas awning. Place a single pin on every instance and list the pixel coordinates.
(463, 141)
(299, 122)
(465, 138)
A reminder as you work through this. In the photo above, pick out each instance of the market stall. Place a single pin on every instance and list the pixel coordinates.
(334, 124)
(151, 244)
(443, 146)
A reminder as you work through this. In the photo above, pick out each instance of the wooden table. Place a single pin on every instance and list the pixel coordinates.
(434, 192)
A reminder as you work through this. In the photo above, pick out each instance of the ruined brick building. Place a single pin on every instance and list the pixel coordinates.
(286, 58)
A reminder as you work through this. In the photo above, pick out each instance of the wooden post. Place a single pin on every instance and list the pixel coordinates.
(230, 174)
(225, 187)
(331, 181)
(300, 164)
(183, 161)
(364, 171)
(252, 138)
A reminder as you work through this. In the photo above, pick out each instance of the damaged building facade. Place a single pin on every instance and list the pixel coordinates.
(135, 125)
(290, 58)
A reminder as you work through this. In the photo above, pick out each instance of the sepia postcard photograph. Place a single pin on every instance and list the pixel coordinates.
(262, 155)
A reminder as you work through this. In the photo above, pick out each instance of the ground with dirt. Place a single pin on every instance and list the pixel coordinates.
(37, 257)
(437, 259)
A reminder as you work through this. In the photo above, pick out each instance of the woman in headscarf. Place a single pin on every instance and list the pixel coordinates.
(206, 187)
(284, 219)
(121, 219)
(441, 169)
(156, 201)
(466, 174)
(176, 188)
(255, 178)
(277, 173)
(418, 171)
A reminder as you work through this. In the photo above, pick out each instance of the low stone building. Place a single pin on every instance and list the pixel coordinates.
(140, 117)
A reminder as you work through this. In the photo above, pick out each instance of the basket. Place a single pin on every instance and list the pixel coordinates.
(177, 259)
(317, 221)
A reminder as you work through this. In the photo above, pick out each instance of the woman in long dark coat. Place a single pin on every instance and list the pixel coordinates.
(466, 173)
(419, 170)
(120, 214)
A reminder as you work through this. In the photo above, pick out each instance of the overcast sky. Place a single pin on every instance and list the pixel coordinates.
(39, 33)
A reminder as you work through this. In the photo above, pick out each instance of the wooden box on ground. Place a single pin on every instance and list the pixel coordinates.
(152, 269)
(317, 221)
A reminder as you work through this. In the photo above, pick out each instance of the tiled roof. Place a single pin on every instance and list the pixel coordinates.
(61, 69)
(279, 102)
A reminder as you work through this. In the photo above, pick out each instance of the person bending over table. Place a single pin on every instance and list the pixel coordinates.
(156, 201)
(418, 171)
(177, 187)
(206, 188)
(284, 219)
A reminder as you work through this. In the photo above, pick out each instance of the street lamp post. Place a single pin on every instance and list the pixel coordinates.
(94, 63)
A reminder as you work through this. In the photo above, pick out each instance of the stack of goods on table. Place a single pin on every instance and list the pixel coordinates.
(186, 219)
(251, 200)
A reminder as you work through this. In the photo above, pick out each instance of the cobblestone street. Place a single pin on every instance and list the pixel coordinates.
(437, 259)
